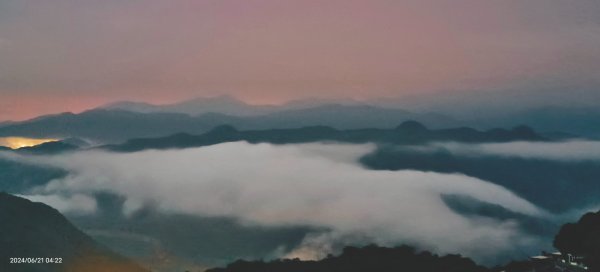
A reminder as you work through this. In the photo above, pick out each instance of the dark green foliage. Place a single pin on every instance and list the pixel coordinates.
(519, 266)
(370, 258)
(582, 239)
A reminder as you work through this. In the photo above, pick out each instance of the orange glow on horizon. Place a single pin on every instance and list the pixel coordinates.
(19, 142)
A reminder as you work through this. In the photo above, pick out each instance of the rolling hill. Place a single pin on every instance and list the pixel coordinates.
(48, 242)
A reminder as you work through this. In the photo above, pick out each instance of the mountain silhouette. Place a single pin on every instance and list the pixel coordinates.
(115, 125)
(552, 119)
(48, 148)
(409, 132)
(369, 258)
(112, 126)
(35, 230)
(582, 239)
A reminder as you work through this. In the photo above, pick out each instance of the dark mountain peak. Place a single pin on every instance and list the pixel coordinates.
(582, 239)
(11, 203)
(412, 126)
(31, 229)
(54, 147)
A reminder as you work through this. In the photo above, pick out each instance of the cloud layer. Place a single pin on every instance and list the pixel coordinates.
(314, 184)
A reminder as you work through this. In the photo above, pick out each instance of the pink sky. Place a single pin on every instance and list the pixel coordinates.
(68, 55)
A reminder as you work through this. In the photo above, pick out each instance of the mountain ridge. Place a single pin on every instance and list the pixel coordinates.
(409, 132)
(35, 230)
(113, 126)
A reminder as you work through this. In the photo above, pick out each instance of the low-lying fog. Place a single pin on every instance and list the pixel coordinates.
(319, 185)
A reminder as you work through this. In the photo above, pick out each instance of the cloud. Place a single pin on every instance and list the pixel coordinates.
(561, 151)
(318, 185)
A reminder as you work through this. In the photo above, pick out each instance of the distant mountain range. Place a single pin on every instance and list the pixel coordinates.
(35, 230)
(113, 126)
(121, 121)
(478, 113)
(564, 120)
(409, 132)
(228, 105)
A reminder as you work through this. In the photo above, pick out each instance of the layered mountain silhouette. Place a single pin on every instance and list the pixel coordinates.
(48, 148)
(553, 120)
(115, 125)
(34, 230)
(409, 132)
(111, 126)
(228, 105)
(370, 258)
(120, 121)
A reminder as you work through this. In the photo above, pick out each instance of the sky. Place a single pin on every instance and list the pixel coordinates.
(68, 55)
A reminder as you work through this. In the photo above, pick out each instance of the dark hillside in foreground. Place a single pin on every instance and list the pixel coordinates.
(370, 258)
(579, 243)
(35, 230)
(582, 239)
(409, 132)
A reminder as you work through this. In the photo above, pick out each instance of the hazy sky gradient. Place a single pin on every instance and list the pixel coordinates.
(71, 55)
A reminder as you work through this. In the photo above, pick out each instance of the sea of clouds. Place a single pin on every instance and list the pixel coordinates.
(320, 185)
